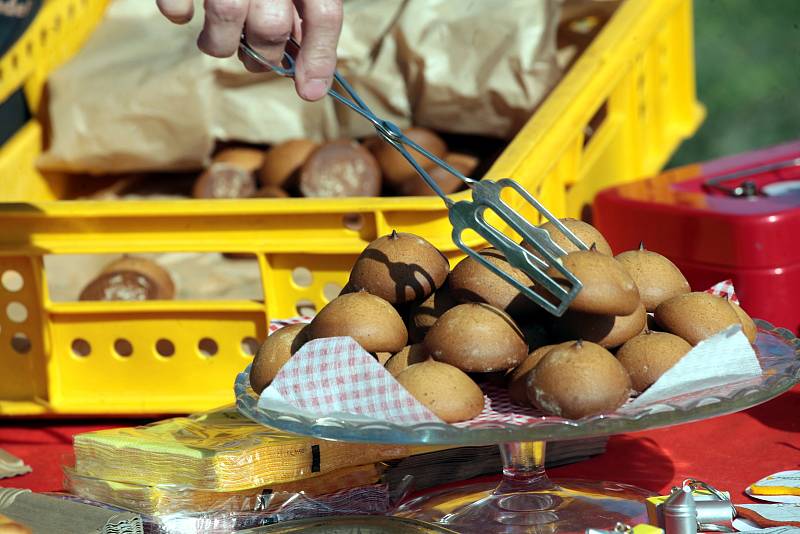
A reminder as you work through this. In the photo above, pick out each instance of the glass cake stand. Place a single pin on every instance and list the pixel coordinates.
(526, 500)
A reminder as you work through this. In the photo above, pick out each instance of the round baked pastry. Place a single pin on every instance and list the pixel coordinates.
(274, 353)
(470, 281)
(648, 356)
(607, 289)
(340, 169)
(395, 168)
(518, 377)
(578, 380)
(164, 285)
(246, 158)
(224, 180)
(445, 390)
(407, 357)
(9, 526)
(399, 268)
(282, 163)
(120, 285)
(269, 191)
(748, 325)
(695, 316)
(371, 321)
(476, 338)
(657, 278)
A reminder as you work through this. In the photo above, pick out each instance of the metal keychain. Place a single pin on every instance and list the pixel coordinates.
(683, 514)
(710, 513)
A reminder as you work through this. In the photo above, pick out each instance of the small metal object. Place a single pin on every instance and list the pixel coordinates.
(619, 528)
(710, 513)
(712, 527)
(622, 528)
(748, 188)
(471, 215)
(680, 512)
(705, 514)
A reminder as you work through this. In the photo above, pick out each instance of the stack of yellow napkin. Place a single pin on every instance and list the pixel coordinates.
(216, 461)
(218, 451)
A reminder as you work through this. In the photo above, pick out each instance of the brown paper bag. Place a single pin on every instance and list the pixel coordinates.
(140, 96)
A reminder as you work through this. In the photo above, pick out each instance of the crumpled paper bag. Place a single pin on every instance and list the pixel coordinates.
(140, 96)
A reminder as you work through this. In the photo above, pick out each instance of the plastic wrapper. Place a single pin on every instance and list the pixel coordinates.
(420, 471)
(171, 499)
(463, 463)
(43, 513)
(219, 450)
(374, 499)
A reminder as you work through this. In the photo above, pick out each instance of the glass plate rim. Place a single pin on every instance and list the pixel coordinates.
(332, 428)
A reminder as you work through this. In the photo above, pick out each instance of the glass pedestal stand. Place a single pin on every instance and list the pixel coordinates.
(526, 500)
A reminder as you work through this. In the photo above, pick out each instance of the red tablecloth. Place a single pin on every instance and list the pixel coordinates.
(728, 452)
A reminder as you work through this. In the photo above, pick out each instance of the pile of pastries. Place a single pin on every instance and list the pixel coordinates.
(442, 332)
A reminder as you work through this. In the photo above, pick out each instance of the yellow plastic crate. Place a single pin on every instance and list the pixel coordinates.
(637, 76)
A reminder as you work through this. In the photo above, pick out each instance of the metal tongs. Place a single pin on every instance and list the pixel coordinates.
(470, 214)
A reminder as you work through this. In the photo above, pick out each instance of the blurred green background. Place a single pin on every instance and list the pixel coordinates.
(748, 76)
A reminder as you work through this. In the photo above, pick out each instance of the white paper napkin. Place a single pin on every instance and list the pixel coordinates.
(721, 359)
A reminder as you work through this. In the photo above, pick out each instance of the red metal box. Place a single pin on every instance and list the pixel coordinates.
(736, 217)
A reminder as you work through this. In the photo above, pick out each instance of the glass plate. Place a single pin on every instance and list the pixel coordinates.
(778, 352)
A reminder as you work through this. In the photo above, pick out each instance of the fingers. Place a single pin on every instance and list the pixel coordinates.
(267, 25)
(297, 27)
(267, 28)
(178, 11)
(223, 26)
(316, 61)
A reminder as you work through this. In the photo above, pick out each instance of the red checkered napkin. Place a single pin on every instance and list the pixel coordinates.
(335, 375)
(724, 289)
(280, 323)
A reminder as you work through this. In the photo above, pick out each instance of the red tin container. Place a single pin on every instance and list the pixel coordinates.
(736, 217)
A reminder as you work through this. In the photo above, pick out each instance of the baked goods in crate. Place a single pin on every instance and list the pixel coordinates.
(338, 168)
(130, 278)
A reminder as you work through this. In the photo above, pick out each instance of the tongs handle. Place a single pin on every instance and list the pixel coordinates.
(387, 130)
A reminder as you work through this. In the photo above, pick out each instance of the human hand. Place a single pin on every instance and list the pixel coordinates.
(267, 25)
